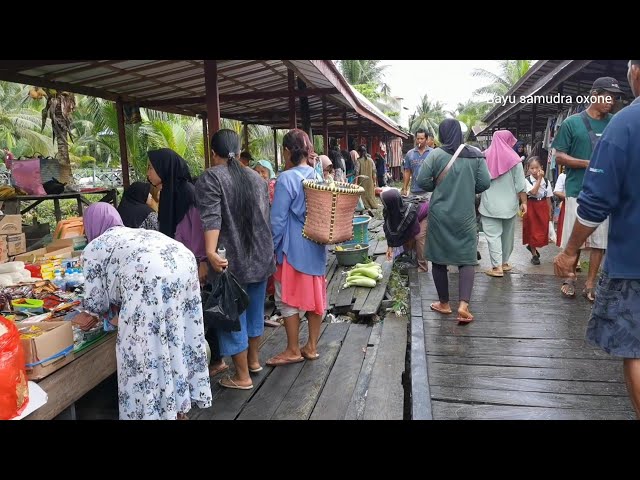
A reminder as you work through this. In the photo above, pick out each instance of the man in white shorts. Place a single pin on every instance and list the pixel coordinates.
(574, 145)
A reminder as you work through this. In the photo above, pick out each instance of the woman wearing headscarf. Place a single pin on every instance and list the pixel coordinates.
(152, 282)
(265, 170)
(499, 204)
(134, 208)
(402, 222)
(366, 177)
(234, 206)
(327, 168)
(519, 149)
(451, 239)
(179, 218)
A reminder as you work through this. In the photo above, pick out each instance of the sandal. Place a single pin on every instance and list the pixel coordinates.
(220, 369)
(570, 291)
(495, 273)
(589, 294)
(439, 310)
(465, 320)
(278, 361)
(506, 267)
(227, 382)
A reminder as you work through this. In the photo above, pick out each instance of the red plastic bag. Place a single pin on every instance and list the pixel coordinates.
(26, 175)
(14, 390)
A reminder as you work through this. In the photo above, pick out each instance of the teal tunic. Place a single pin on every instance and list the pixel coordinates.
(451, 234)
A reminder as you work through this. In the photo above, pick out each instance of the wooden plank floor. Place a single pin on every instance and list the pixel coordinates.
(524, 356)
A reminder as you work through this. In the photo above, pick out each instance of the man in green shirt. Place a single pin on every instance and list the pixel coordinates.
(574, 145)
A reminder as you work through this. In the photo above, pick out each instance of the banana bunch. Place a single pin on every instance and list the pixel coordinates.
(7, 192)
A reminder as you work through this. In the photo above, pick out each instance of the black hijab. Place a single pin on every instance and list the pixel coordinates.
(399, 218)
(450, 134)
(133, 208)
(178, 193)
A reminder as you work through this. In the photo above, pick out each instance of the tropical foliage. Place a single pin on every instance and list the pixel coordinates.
(510, 72)
(428, 115)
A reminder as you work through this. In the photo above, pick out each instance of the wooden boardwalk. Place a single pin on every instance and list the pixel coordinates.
(357, 377)
(524, 356)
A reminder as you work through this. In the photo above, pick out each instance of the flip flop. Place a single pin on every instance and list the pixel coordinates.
(571, 289)
(256, 370)
(279, 361)
(213, 373)
(493, 273)
(465, 320)
(507, 268)
(233, 384)
(310, 357)
(445, 312)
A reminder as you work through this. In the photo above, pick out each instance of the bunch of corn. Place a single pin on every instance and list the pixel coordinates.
(364, 275)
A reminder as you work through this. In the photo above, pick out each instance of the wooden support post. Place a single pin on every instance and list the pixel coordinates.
(205, 139)
(122, 137)
(245, 130)
(293, 121)
(518, 125)
(533, 125)
(346, 130)
(211, 93)
(325, 126)
(275, 147)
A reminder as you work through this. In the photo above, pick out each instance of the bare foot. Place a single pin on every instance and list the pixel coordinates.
(182, 416)
(235, 382)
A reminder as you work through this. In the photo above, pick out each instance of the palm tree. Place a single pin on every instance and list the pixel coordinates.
(428, 115)
(510, 72)
(20, 121)
(471, 112)
(358, 72)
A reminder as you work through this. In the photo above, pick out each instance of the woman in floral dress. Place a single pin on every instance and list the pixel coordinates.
(153, 281)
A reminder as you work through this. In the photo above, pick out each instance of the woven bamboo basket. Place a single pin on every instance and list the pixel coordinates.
(330, 210)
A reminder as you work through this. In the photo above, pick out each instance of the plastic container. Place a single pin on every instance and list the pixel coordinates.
(28, 305)
(36, 271)
(58, 281)
(360, 231)
(71, 227)
(351, 255)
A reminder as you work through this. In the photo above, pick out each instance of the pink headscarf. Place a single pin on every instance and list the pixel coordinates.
(99, 218)
(500, 155)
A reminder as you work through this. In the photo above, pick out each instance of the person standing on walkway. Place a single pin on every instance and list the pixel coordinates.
(535, 224)
(300, 282)
(499, 204)
(455, 173)
(234, 206)
(413, 161)
(610, 190)
(574, 145)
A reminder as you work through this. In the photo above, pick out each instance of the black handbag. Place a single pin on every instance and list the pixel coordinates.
(53, 186)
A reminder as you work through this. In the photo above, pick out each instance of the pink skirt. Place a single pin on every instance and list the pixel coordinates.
(302, 291)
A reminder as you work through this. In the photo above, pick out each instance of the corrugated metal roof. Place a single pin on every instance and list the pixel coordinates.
(144, 82)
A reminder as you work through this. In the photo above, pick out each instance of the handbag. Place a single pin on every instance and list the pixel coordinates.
(54, 186)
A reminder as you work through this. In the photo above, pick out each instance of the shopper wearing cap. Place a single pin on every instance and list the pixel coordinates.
(611, 189)
(574, 145)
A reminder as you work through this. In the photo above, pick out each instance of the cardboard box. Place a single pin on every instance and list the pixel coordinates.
(16, 244)
(10, 224)
(50, 351)
(43, 254)
(4, 254)
(77, 243)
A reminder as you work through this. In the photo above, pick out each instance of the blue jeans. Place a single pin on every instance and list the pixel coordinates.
(252, 321)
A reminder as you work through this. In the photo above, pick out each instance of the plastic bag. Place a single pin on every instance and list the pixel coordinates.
(224, 305)
(53, 186)
(26, 175)
(552, 233)
(14, 389)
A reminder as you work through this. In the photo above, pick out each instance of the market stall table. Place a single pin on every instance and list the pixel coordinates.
(66, 386)
(12, 206)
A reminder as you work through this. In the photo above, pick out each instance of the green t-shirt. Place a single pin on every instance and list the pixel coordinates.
(573, 139)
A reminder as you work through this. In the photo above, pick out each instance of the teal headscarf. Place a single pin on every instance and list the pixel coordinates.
(267, 164)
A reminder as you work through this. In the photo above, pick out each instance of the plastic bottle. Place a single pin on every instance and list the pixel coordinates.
(58, 281)
(222, 252)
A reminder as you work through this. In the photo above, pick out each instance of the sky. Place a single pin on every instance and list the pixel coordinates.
(447, 81)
